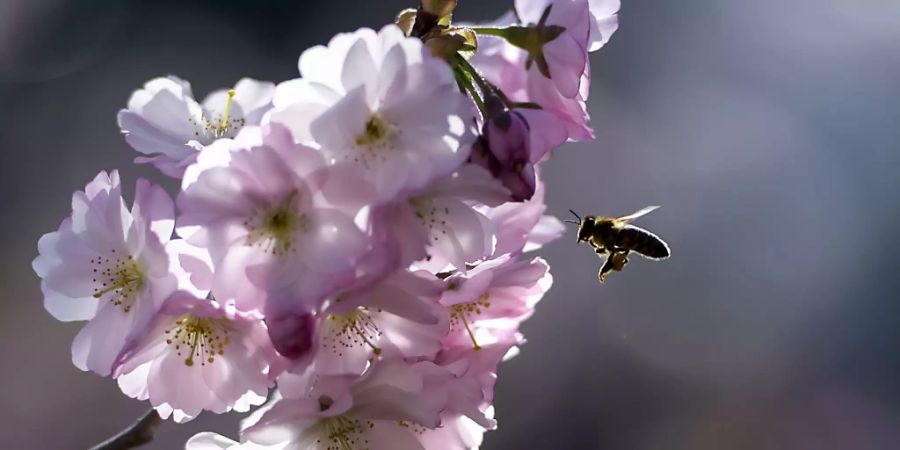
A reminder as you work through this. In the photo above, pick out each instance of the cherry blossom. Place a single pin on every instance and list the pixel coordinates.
(400, 314)
(383, 102)
(523, 226)
(561, 98)
(260, 205)
(444, 220)
(561, 30)
(496, 296)
(384, 409)
(165, 123)
(198, 355)
(350, 241)
(109, 266)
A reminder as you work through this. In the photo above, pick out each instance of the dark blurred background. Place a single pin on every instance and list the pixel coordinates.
(767, 129)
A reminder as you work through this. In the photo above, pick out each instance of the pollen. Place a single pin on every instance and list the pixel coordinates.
(432, 217)
(411, 426)
(344, 433)
(117, 279)
(198, 339)
(378, 137)
(347, 331)
(275, 228)
(463, 314)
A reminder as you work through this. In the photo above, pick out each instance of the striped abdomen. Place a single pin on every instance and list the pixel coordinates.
(642, 241)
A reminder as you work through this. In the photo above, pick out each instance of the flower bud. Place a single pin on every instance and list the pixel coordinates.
(504, 149)
(521, 181)
(292, 333)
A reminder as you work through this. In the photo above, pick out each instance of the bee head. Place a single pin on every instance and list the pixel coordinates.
(584, 226)
(586, 229)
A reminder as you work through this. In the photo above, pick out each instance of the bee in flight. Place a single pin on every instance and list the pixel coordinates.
(615, 238)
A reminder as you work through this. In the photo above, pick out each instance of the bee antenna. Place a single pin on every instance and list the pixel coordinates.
(576, 215)
(572, 221)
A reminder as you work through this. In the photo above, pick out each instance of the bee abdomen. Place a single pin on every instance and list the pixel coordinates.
(644, 242)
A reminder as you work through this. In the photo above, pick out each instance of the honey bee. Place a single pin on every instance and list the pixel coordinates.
(615, 238)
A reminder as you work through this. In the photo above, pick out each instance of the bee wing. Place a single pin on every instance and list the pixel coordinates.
(636, 214)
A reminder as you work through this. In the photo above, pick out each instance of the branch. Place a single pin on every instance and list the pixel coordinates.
(140, 433)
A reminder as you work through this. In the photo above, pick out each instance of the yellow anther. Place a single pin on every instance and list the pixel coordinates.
(198, 337)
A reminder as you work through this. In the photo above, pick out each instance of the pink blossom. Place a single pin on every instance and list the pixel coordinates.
(470, 392)
(566, 116)
(273, 217)
(164, 122)
(445, 221)
(383, 102)
(523, 227)
(197, 355)
(563, 114)
(109, 266)
(383, 410)
(494, 297)
(400, 315)
(481, 364)
(346, 237)
(564, 28)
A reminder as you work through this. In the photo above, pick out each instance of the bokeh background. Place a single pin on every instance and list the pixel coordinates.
(769, 130)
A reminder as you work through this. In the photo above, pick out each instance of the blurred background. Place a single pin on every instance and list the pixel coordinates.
(769, 130)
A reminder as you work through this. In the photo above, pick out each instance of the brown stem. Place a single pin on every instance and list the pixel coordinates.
(139, 433)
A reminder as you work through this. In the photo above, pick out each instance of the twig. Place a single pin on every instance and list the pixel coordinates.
(140, 433)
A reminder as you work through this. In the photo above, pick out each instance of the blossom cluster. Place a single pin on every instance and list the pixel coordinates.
(354, 238)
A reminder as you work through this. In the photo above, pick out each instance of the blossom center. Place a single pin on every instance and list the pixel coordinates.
(117, 279)
(220, 125)
(377, 134)
(200, 338)
(275, 228)
(344, 433)
(463, 313)
(353, 329)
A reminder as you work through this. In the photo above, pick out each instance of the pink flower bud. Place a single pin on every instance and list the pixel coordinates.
(292, 333)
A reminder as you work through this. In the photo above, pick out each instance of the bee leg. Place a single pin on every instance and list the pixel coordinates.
(619, 259)
(615, 261)
(607, 267)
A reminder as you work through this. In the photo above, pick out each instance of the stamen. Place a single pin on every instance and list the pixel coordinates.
(433, 217)
(224, 123)
(414, 427)
(377, 133)
(119, 279)
(471, 335)
(275, 228)
(199, 338)
(345, 433)
(353, 329)
(375, 142)
(462, 313)
(219, 126)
